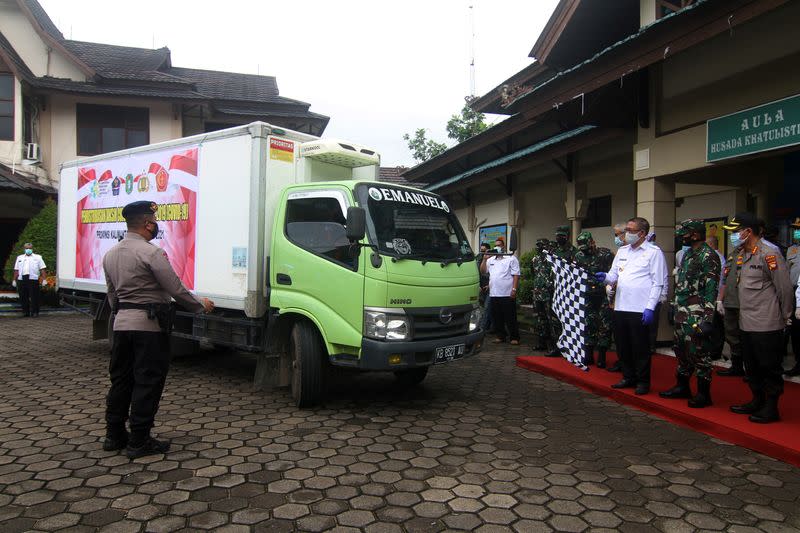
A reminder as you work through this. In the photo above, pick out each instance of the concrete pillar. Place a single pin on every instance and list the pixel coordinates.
(575, 207)
(656, 203)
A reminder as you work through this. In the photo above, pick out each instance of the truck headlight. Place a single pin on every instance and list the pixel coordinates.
(475, 319)
(386, 326)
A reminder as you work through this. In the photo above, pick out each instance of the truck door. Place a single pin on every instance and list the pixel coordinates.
(314, 267)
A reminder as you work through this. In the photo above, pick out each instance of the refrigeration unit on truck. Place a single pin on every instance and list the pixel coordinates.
(311, 262)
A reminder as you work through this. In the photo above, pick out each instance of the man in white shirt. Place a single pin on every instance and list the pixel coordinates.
(503, 273)
(29, 272)
(639, 270)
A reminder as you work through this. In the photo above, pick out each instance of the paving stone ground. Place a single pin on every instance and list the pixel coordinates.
(481, 446)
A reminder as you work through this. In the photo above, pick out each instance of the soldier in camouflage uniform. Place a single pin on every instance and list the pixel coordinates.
(542, 296)
(563, 249)
(598, 314)
(694, 305)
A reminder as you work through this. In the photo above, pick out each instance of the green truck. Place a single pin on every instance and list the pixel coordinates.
(311, 262)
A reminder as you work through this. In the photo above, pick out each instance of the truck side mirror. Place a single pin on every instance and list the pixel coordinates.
(512, 240)
(356, 223)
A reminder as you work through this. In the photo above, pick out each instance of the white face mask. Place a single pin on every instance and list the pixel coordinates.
(498, 249)
(631, 238)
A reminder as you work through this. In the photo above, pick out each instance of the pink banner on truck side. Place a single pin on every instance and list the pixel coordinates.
(168, 178)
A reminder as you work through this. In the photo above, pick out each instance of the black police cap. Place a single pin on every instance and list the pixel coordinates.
(741, 221)
(142, 207)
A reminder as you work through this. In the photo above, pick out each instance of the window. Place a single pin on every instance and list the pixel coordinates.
(598, 214)
(316, 222)
(6, 107)
(103, 129)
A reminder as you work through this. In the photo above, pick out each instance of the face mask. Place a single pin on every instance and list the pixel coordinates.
(561, 239)
(631, 238)
(498, 249)
(617, 241)
(685, 248)
(154, 233)
(28, 251)
(585, 248)
(736, 240)
(796, 234)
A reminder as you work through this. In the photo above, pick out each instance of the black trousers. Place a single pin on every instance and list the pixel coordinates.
(504, 317)
(28, 295)
(633, 346)
(138, 369)
(717, 336)
(762, 352)
(794, 330)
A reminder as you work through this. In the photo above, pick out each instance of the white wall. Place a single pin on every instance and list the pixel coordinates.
(32, 49)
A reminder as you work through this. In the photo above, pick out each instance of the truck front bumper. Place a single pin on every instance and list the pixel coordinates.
(375, 355)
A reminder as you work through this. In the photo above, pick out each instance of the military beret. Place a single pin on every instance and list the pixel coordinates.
(584, 237)
(689, 225)
(142, 207)
(562, 230)
(742, 221)
(541, 241)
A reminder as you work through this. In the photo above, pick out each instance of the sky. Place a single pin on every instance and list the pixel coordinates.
(377, 68)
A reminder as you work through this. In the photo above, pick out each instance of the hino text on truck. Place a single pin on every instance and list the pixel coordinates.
(310, 261)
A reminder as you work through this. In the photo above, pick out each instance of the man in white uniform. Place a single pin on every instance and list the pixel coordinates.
(503, 273)
(29, 273)
(639, 270)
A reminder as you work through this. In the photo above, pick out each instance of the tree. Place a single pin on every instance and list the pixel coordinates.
(423, 148)
(460, 127)
(467, 124)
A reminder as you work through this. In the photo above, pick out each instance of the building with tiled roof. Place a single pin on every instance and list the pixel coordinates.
(394, 175)
(61, 99)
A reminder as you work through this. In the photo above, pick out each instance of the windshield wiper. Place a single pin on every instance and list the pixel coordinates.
(459, 259)
(397, 257)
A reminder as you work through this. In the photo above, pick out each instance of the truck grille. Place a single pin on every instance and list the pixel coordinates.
(426, 322)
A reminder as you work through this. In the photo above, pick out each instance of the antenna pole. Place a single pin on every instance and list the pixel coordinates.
(472, 50)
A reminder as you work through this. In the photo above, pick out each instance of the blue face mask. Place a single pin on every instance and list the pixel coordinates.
(28, 251)
(685, 248)
(617, 241)
(796, 234)
(736, 240)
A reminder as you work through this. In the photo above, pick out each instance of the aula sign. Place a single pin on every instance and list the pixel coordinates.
(766, 127)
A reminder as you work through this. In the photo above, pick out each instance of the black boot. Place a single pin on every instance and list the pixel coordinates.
(616, 367)
(552, 349)
(703, 396)
(540, 346)
(601, 358)
(750, 407)
(736, 369)
(768, 412)
(680, 390)
(588, 358)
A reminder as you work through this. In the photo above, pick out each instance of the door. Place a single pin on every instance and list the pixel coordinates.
(315, 269)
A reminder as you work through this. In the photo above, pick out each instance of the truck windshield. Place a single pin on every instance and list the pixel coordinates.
(412, 224)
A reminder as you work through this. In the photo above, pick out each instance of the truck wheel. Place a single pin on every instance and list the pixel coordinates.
(308, 365)
(411, 377)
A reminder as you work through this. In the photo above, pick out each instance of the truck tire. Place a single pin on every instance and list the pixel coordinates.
(307, 365)
(411, 377)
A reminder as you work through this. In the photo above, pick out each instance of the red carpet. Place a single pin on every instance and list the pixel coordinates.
(780, 440)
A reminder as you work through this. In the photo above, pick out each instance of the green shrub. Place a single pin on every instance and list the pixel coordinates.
(525, 290)
(41, 231)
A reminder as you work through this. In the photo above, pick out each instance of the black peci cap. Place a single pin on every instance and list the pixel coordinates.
(142, 207)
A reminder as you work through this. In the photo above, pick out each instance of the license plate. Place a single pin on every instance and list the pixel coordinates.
(448, 353)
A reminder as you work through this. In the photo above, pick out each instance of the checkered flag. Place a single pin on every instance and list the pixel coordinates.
(569, 306)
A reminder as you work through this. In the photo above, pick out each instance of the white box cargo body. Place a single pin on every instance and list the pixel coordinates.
(226, 183)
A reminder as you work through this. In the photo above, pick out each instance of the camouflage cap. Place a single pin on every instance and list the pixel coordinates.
(562, 230)
(689, 225)
(584, 238)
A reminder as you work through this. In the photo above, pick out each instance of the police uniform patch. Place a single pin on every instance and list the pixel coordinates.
(772, 262)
